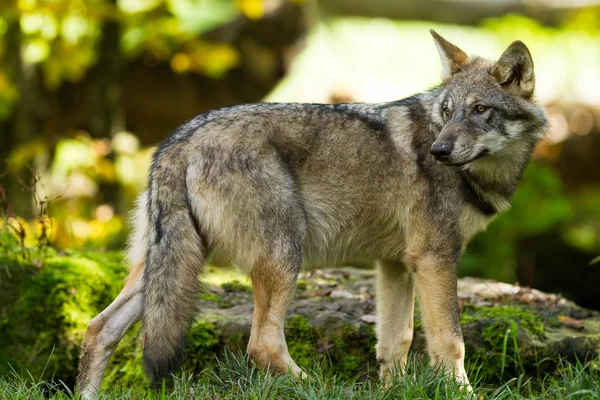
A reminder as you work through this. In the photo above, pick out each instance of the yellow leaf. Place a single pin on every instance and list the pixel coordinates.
(181, 63)
(26, 5)
(253, 9)
(220, 58)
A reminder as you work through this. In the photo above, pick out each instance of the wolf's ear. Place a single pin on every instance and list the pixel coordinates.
(514, 70)
(452, 57)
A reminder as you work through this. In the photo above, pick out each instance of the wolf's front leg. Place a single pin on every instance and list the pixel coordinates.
(395, 308)
(436, 286)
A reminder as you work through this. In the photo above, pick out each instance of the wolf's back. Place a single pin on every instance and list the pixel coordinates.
(174, 258)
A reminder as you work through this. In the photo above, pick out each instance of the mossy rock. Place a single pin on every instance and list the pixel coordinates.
(509, 331)
(512, 331)
(47, 300)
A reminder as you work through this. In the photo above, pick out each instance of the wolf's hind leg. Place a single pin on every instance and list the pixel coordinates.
(395, 308)
(274, 285)
(105, 331)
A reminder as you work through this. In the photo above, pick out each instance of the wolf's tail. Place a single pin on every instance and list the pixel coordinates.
(174, 259)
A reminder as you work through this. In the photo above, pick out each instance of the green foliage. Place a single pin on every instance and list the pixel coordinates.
(541, 188)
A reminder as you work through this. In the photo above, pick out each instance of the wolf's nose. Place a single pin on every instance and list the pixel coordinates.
(441, 150)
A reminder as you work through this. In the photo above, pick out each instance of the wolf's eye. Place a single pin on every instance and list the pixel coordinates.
(446, 110)
(480, 108)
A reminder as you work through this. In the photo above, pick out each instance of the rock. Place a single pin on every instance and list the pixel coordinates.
(369, 318)
(333, 315)
(571, 322)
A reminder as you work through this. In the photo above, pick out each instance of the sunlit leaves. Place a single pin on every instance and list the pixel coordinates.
(40, 22)
(174, 36)
(181, 62)
(253, 9)
(26, 5)
(36, 51)
(62, 36)
(80, 168)
(212, 59)
(199, 16)
(72, 155)
(75, 27)
(137, 6)
(219, 59)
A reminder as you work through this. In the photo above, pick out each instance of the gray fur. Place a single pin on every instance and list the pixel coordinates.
(283, 185)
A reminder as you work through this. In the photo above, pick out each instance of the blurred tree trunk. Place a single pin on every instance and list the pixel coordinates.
(105, 97)
(27, 120)
(105, 89)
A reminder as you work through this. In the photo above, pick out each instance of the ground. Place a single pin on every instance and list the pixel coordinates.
(521, 338)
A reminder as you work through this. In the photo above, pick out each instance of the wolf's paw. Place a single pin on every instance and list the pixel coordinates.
(296, 371)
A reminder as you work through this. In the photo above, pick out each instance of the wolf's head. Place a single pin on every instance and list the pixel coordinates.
(485, 110)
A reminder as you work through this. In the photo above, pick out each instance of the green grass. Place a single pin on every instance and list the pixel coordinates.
(235, 378)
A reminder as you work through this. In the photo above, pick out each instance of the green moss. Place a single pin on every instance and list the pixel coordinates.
(220, 301)
(501, 331)
(301, 285)
(523, 317)
(348, 351)
(236, 286)
(209, 297)
(203, 344)
(301, 343)
(111, 261)
(52, 301)
(349, 361)
(353, 352)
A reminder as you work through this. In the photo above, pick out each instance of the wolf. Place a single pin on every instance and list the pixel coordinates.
(403, 185)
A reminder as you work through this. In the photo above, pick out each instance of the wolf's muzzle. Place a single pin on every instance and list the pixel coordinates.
(441, 150)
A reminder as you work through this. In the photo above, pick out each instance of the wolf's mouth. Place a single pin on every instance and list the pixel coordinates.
(479, 155)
